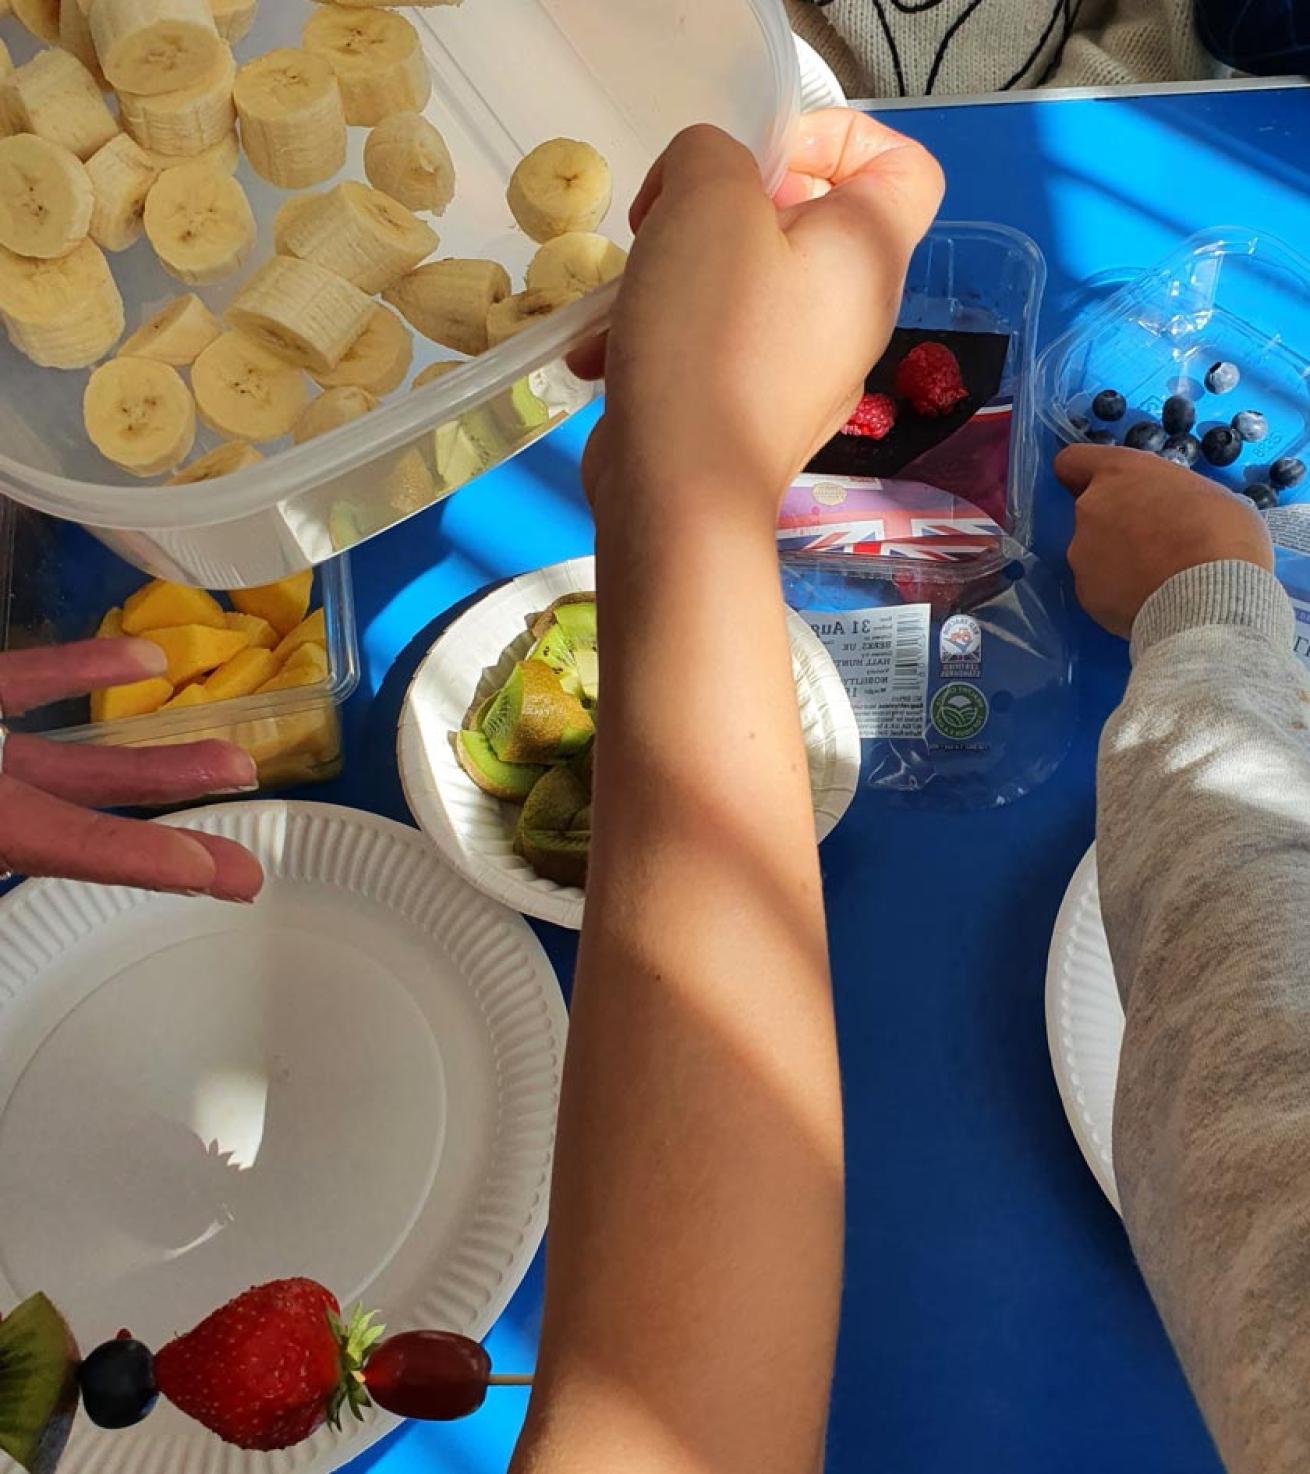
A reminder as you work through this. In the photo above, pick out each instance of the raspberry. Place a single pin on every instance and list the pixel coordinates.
(929, 377)
(874, 417)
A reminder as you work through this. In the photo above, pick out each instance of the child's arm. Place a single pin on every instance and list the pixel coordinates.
(1203, 841)
(694, 1263)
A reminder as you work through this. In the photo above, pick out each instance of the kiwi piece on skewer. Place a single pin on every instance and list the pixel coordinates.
(38, 1385)
(509, 781)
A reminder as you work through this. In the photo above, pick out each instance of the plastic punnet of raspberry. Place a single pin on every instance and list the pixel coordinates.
(873, 419)
(929, 377)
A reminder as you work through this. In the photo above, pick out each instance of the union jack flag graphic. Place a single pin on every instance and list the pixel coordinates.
(868, 517)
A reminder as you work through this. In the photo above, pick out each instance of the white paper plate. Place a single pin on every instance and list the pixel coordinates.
(474, 657)
(1085, 1022)
(819, 85)
(355, 1079)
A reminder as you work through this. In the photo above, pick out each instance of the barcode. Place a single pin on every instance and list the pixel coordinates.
(882, 657)
(908, 659)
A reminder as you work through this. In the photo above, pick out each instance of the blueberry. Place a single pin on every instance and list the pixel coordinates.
(1101, 437)
(1264, 496)
(118, 1384)
(1179, 414)
(1250, 424)
(1221, 445)
(1109, 404)
(1182, 449)
(1222, 377)
(1146, 435)
(1080, 424)
(1286, 471)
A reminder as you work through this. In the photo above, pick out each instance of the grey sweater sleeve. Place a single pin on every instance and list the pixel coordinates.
(1203, 840)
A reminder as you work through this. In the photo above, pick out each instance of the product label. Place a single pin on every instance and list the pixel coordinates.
(882, 657)
(960, 647)
(959, 711)
(1290, 527)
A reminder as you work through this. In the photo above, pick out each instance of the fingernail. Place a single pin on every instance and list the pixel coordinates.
(233, 900)
(240, 788)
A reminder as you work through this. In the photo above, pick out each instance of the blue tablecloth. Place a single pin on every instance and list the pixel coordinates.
(994, 1320)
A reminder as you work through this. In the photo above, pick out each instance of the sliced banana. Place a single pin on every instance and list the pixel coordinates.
(75, 35)
(285, 221)
(64, 313)
(561, 186)
(234, 18)
(224, 155)
(360, 233)
(148, 46)
(177, 334)
(55, 96)
(377, 58)
(200, 223)
(407, 158)
(377, 360)
(140, 415)
(293, 126)
(524, 310)
(448, 301)
(8, 122)
(223, 460)
(435, 371)
(186, 122)
(41, 17)
(301, 312)
(332, 408)
(383, 4)
(122, 175)
(246, 393)
(46, 197)
(578, 262)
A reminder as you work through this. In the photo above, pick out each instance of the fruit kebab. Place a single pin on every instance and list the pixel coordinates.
(263, 1372)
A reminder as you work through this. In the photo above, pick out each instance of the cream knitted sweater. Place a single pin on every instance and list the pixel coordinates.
(911, 48)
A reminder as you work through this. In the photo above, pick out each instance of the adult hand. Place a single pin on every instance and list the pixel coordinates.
(745, 327)
(1140, 520)
(47, 826)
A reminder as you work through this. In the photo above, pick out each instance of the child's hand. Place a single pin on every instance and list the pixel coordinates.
(1140, 520)
(745, 327)
(47, 789)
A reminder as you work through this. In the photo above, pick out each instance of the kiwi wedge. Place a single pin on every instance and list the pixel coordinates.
(554, 856)
(509, 781)
(577, 618)
(534, 719)
(38, 1385)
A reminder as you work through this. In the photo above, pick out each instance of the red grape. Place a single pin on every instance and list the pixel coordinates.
(432, 1375)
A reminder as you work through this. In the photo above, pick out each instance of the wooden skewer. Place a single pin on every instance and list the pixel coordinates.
(509, 1381)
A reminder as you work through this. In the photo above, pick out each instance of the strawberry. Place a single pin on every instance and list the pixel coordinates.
(271, 1366)
(929, 377)
(874, 417)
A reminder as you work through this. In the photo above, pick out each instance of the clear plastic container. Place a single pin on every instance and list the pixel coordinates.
(506, 74)
(972, 277)
(1228, 293)
(56, 583)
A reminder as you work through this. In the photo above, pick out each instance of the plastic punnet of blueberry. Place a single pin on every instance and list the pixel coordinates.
(1109, 405)
(1221, 445)
(1146, 435)
(1178, 415)
(1286, 471)
(1222, 377)
(1250, 424)
(1079, 424)
(1262, 494)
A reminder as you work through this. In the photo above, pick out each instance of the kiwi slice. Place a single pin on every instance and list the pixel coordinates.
(509, 781)
(586, 667)
(38, 1385)
(581, 821)
(534, 720)
(558, 857)
(548, 617)
(578, 621)
(554, 802)
(584, 766)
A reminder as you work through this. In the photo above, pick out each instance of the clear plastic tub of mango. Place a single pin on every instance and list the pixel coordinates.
(265, 668)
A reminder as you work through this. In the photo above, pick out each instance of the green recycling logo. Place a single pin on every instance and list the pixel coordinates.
(959, 711)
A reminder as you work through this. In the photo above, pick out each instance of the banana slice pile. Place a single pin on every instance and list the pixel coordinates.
(129, 125)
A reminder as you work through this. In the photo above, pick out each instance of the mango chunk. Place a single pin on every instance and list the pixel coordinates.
(193, 649)
(245, 673)
(309, 631)
(192, 695)
(284, 604)
(305, 666)
(111, 626)
(138, 699)
(162, 605)
(262, 634)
